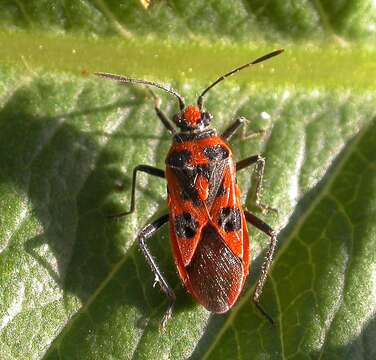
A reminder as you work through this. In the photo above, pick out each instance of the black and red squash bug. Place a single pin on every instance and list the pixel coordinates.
(207, 222)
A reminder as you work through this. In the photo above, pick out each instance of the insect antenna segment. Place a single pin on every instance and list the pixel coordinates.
(124, 79)
(200, 99)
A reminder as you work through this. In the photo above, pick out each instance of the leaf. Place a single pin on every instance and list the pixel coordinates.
(240, 20)
(74, 284)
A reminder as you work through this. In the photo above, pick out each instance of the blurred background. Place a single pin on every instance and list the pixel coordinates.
(73, 284)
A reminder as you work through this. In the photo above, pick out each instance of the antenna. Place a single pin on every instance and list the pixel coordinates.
(232, 72)
(124, 79)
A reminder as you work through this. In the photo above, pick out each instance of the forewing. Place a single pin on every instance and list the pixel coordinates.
(187, 217)
(227, 214)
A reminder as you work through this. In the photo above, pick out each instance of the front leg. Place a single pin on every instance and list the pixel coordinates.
(233, 128)
(260, 166)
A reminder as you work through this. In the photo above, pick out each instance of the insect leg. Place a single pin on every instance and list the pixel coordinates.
(148, 231)
(265, 228)
(143, 168)
(260, 166)
(162, 116)
(232, 129)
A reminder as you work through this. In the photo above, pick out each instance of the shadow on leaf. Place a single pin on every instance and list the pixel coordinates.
(67, 178)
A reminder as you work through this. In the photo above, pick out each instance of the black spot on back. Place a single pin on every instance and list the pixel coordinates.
(230, 219)
(187, 178)
(216, 152)
(192, 195)
(185, 226)
(179, 158)
(214, 271)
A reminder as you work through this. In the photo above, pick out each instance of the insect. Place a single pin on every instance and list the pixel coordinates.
(208, 228)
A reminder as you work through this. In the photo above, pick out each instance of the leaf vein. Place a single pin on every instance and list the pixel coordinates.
(324, 191)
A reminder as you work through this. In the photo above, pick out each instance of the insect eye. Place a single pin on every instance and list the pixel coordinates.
(178, 119)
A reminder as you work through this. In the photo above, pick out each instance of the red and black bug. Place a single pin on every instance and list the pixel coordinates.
(207, 222)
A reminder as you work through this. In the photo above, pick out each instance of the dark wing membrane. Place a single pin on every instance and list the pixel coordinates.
(215, 273)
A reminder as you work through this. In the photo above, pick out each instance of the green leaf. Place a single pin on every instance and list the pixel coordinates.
(74, 285)
(240, 20)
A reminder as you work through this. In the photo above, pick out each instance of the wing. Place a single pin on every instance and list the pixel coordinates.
(227, 214)
(187, 213)
(210, 238)
(192, 191)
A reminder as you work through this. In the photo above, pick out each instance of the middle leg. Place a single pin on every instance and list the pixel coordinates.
(151, 170)
(260, 167)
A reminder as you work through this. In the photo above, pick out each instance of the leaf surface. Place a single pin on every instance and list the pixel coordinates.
(74, 284)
